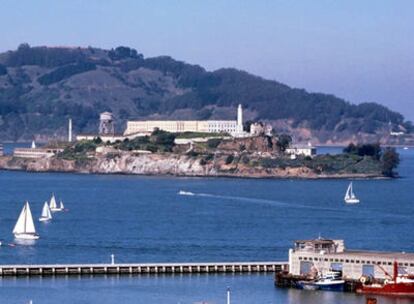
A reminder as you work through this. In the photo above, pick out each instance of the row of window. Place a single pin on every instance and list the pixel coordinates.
(354, 261)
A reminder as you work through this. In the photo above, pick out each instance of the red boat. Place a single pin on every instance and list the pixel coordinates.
(395, 285)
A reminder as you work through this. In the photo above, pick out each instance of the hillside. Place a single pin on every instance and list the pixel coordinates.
(40, 87)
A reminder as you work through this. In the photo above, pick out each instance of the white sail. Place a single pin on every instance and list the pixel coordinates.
(61, 206)
(52, 204)
(350, 196)
(25, 222)
(348, 192)
(20, 224)
(46, 212)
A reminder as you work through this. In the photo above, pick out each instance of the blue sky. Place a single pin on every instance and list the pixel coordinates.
(357, 50)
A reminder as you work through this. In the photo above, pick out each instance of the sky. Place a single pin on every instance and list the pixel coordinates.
(362, 51)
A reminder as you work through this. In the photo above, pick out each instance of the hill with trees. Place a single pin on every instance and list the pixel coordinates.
(41, 87)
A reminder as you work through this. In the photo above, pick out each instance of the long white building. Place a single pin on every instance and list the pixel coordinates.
(233, 127)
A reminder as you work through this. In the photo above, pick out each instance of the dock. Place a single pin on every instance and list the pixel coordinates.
(147, 268)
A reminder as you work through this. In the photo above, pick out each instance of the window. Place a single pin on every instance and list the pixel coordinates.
(336, 266)
(368, 270)
(305, 267)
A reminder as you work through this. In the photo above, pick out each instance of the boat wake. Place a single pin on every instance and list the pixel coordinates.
(290, 204)
(181, 192)
(255, 200)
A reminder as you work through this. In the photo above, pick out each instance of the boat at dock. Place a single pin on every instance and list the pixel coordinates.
(24, 228)
(330, 281)
(46, 214)
(395, 285)
(350, 197)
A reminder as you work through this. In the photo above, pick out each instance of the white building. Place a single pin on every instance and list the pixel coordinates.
(36, 152)
(324, 254)
(233, 127)
(301, 151)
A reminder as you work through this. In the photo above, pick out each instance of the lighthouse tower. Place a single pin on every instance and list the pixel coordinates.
(239, 119)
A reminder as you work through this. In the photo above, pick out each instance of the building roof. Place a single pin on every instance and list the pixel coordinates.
(377, 254)
(316, 241)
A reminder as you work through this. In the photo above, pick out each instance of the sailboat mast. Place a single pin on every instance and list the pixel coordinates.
(25, 216)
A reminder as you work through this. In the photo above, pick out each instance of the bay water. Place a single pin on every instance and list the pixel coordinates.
(144, 219)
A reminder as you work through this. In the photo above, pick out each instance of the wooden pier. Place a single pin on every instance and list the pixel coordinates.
(158, 268)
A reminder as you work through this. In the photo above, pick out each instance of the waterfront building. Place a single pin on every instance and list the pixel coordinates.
(301, 151)
(233, 127)
(35, 152)
(326, 254)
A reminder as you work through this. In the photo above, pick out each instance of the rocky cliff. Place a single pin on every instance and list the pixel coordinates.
(184, 165)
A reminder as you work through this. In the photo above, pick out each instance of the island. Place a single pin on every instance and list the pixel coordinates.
(207, 155)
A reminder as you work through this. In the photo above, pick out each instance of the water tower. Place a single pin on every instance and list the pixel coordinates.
(106, 124)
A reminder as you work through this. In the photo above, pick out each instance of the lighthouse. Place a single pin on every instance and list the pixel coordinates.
(239, 119)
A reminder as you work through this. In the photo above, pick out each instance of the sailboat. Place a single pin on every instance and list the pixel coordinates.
(24, 228)
(53, 205)
(46, 215)
(350, 197)
(61, 206)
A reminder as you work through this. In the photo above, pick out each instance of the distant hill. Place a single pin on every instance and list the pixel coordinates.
(40, 87)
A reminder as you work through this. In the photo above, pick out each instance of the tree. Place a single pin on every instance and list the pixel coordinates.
(3, 70)
(390, 161)
(373, 150)
(283, 142)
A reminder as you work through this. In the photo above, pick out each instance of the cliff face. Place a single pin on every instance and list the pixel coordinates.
(170, 164)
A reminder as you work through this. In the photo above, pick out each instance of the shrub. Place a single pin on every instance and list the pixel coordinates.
(390, 161)
(213, 142)
(229, 159)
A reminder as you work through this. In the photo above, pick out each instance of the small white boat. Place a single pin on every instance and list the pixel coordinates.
(405, 148)
(350, 197)
(24, 228)
(181, 192)
(46, 214)
(53, 205)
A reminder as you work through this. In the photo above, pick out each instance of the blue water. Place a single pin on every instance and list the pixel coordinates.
(143, 219)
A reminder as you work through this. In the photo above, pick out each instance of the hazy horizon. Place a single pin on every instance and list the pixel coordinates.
(359, 51)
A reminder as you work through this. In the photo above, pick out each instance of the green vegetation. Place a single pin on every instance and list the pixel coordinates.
(373, 150)
(229, 159)
(80, 150)
(159, 141)
(283, 142)
(30, 105)
(65, 72)
(3, 70)
(214, 142)
(390, 161)
(327, 164)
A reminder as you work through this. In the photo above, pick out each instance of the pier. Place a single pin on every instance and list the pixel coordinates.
(148, 268)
